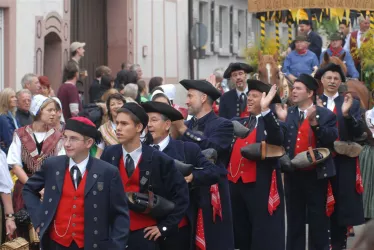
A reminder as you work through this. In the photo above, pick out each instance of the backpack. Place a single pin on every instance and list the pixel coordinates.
(92, 112)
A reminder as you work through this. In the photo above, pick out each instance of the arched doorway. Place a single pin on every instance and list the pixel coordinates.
(53, 59)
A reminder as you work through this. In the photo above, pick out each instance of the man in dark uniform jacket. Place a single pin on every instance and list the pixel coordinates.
(256, 186)
(315, 40)
(142, 169)
(161, 115)
(346, 186)
(234, 102)
(84, 205)
(307, 125)
(209, 131)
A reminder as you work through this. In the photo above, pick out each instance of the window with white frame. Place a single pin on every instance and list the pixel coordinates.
(242, 26)
(205, 18)
(224, 29)
(1, 49)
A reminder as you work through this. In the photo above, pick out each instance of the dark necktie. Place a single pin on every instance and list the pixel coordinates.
(75, 170)
(252, 123)
(157, 147)
(130, 166)
(301, 116)
(243, 102)
(195, 124)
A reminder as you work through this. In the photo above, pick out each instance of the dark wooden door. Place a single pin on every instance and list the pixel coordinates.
(89, 25)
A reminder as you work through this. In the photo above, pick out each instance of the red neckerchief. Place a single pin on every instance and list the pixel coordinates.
(274, 199)
(335, 52)
(301, 52)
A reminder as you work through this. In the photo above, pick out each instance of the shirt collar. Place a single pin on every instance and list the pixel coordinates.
(306, 110)
(135, 155)
(244, 92)
(332, 97)
(82, 165)
(164, 143)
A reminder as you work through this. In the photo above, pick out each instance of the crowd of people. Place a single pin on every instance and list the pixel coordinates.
(130, 169)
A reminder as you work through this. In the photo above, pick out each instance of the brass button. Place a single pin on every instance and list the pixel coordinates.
(94, 192)
(96, 232)
(94, 245)
(46, 212)
(75, 197)
(95, 218)
(94, 205)
(50, 200)
(74, 224)
(74, 215)
(73, 234)
(74, 206)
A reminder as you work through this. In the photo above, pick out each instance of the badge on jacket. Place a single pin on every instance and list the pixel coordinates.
(100, 186)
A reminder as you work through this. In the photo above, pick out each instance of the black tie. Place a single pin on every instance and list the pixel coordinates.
(195, 124)
(252, 123)
(301, 116)
(157, 147)
(243, 102)
(130, 167)
(78, 178)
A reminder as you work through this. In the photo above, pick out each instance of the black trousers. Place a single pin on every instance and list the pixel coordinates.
(138, 242)
(242, 204)
(55, 246)
(180, 239)
(306, 199)
(338, 234)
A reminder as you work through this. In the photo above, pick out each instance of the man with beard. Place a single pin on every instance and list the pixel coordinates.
(308, 127)
(209, 131)
(146, 172)
(204, 173)
(234, 102)
(256, 185)
(347, 184)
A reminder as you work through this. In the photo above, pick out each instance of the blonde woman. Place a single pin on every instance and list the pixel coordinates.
(8, 121)
(31, 146)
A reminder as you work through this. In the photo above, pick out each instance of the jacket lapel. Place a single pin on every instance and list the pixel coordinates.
(116, 155)
(60, 173)
(324, 100)
(294, 116)
(145, 167)
(93, 173)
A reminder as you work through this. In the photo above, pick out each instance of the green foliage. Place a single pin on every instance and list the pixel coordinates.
(366, 53)
(329, 25)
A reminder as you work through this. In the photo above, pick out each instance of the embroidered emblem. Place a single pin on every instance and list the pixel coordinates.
(100, 186)
(143, 180)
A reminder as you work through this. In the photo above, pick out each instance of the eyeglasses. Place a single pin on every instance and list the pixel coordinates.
(71, 140)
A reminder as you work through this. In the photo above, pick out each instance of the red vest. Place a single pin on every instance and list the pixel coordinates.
(303, 141)
(245, 113)
(69, 218)
(239, 167)
(137, 220)
(353, 46)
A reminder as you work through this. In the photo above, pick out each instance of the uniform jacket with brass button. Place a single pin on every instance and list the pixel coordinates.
(106, 219)
(229, 105)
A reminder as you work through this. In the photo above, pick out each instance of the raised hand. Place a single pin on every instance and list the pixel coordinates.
(212, 80)
(311, 115)
(319, 102)
(281, 111)
(267, 98)
(347, 104)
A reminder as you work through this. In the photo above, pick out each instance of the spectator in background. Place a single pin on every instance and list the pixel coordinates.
(138, 70)
(45, 87)
(8, 121)
(31, 82)
(142, 89)
(125, 77)
(131, 90)
(68, 92)
(125, 66)
(159, 96)
(94, 91)
(105, 85)
(154, 82)
(23, 114)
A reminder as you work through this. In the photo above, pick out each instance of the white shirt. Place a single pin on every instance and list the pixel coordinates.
(6, 183)
(330, 101)
(164, 143)
(306, 110)
(347, 44)
(82, 166)
(244, 92)
(135, 155)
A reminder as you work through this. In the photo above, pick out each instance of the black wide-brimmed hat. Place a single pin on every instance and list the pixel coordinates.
(330, 67)
(308, 81)
(159, 107)
(262, 87)
(202, 86)
(235, 67)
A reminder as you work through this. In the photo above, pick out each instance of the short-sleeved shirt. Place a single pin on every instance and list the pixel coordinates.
(68, 93)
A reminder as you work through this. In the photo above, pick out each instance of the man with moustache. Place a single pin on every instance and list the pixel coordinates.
(256, 185)
(84, 205)
(347, 184)
(23, 113)
(144, 169)
(234, 102)
(209, 131)
(307, 125)
(204, 173)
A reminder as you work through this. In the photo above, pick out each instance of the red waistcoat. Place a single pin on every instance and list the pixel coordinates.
(69, 218)
(239, 167)
(303, 141)
(137, 220)
(353, 45)
(245, 113)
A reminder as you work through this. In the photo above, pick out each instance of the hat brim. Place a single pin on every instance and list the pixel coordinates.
(330, 67)
(235, 67)
(164, 109)
(202, 86)
(262, 87)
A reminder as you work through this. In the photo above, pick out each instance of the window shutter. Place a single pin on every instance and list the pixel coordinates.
(216, 28)
(235, 31)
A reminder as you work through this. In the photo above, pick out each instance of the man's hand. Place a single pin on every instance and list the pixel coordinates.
(180, 126)
(10, 227)
(311, 115)
(41, 195)
(152, 233)
(212, 80)
(347, 104)
(281, 111)
(267, 98)
(319, 102)
(189, 178)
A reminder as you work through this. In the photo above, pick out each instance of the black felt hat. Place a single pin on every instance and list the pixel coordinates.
(309, 81)
(262, 87)
(330, 67)
(138, 111)
(306, 22)
(235, 67)
(164, 109)
(202, 86)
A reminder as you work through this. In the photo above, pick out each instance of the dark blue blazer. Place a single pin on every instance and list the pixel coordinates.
(267, 226)
(215, 132)
(325, 133)
(7, 128)
(229, 106)
(105, 207)
(158, 171)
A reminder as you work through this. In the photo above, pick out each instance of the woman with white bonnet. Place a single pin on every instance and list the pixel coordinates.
(31, 146)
